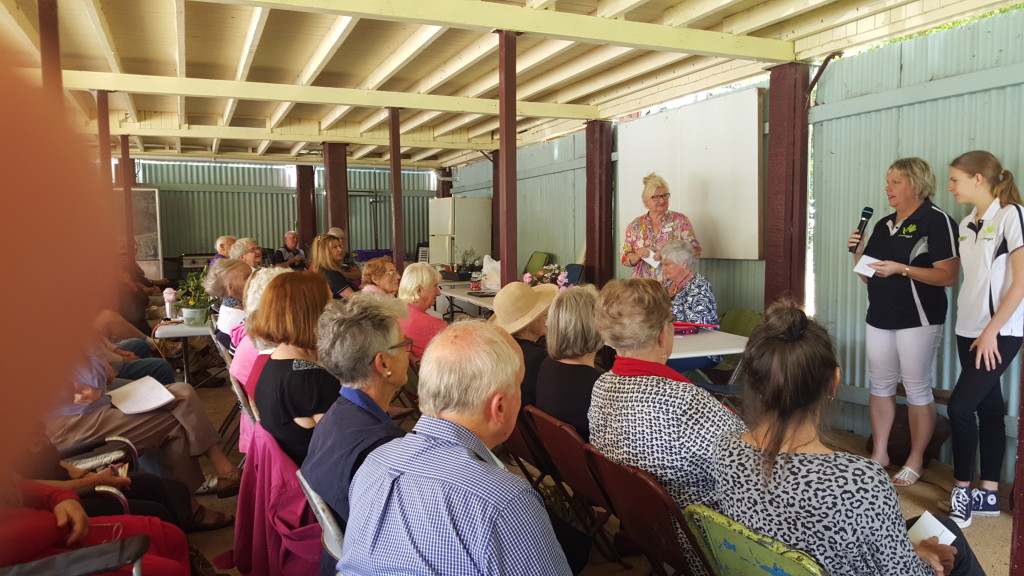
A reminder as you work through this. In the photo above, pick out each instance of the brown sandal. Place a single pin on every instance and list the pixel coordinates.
(205, 519)
(227, 486)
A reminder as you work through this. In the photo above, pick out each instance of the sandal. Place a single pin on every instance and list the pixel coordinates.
(228, 487)
(906, 477)
(205, 519)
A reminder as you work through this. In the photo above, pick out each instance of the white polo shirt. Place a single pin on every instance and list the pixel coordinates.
(985, 258)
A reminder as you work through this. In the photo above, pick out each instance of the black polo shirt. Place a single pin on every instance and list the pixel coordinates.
(927, 236)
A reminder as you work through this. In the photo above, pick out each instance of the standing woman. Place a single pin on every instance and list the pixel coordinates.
(646, 234)
(989, 325)
(917, 253)
(328, 255)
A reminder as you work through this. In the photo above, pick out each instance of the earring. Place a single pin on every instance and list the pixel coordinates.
(388, 373)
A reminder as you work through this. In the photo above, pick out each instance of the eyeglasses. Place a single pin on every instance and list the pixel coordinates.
(407, 344)
(658, 197)
(391, 272)
(253, 250)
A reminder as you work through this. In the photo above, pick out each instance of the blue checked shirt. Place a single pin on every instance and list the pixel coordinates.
(438, 502)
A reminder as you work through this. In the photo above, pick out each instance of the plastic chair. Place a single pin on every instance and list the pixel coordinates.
(99, 454)
(98, 559)
(649, 516)
(537, 261)
(741, 323)
(731, 548)
(229, 428)
(566, 449)
(333, 537)
(573, 274)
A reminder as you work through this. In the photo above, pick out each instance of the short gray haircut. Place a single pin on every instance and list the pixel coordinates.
(257, 284)
(571, 329)
(351, 332)
(221, 240)
(243, 245)
(632, 313)
(337, 232)
(464, 365)
(416, 276)
(678, 252)
(216, 280)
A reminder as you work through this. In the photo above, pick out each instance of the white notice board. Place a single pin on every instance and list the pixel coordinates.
(710, 155)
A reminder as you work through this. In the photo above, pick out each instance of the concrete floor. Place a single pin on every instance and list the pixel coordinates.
(989, 537)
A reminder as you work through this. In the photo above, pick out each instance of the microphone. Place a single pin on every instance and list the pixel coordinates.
(865, 215)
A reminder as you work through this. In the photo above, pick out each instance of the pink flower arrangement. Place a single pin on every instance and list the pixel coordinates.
(550, 274)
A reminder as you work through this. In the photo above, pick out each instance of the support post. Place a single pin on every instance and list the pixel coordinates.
(336, 184)
(126, 167)
(495, 206)
(103, 137)
(49, 51)
(397, 220)
(1017, 497)
(506, 183)
(597, 265)
(305, 199)
(444, 187)
(786, 213)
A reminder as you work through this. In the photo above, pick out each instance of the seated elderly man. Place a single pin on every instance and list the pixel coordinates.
(290, 255)
(438, 501)
(356, 339)
(222, 246)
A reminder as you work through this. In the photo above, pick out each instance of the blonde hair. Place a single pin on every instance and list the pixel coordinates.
(651, 184)
(631, 314)
(919, 173)
(984, 163)
(416, 277)
(320, 253)
(572, 332)
(216, 280)
(374, 270)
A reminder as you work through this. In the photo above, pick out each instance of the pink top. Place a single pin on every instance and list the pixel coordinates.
(641, 234)
(372, 289)
(421, 327)
(245, 357)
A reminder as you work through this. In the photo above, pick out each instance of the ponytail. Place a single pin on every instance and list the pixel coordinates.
(981, 162)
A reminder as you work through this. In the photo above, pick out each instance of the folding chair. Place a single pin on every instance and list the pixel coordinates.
(537, 261)
(333, 537)
(230, 426)
(98, 559)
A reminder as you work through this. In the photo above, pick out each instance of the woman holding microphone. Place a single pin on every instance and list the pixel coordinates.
(914, 252)
(989, 326)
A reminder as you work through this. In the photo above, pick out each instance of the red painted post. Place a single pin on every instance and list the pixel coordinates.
(508, 222)
(305, 200)
(444, 187)
(336, 184)
(495, 206)
(49, 51)
(600, 253)
(397, 219)
(103, 137)
(786, 212)
(127, 169)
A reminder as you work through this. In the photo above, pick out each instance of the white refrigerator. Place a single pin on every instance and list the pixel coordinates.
(459, 224)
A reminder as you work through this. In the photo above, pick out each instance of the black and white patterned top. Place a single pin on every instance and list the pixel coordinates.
(662, 426)
(839, 508)
(695, 302)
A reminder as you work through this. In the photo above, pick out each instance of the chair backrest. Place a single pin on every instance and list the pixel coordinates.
(537, 261)
(333, 537)
(523, 446)
(647, 513)
(739, 322)
(566, 450)
(573, 274)
(732, 548)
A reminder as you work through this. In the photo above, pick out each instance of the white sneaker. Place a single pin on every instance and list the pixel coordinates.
(960, 506)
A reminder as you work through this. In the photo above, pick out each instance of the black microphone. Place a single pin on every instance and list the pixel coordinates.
(865, 215)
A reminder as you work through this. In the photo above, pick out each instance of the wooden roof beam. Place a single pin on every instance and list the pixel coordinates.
(98, 20)
(488, 16)
(616, 8)
(253, 35)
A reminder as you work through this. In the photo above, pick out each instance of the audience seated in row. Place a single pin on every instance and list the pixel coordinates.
(226, 280)
(522, 310)
(418, 290)
(380, 276)
(328, 259)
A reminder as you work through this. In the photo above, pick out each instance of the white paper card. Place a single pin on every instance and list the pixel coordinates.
(863, 268)
(140, 396)
(654, 263)
(926, 527)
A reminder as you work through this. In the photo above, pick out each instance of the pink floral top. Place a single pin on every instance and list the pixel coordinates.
(640, 233)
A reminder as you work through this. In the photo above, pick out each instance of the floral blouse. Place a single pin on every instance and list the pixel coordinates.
(640, 234)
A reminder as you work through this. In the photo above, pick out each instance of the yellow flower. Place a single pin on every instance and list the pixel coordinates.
(191, 302)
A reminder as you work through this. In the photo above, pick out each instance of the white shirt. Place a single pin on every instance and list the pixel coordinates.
(985, 258)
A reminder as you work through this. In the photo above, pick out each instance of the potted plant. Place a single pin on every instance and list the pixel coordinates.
(193, 300)
(467, 264)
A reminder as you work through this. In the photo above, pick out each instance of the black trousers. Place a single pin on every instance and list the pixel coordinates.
(976, 411)
(965, 563)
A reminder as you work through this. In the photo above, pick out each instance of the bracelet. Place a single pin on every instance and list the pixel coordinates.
(906, 271)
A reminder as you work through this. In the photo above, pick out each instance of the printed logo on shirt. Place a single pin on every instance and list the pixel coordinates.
(908, 231)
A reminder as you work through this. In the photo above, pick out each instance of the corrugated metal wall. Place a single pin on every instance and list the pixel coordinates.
(935, 97)
(201, 201)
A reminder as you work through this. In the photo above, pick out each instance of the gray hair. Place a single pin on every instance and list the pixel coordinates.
(678, 252)
(353, 331)
(243, 245)
(464, 365)
(571, 329)
(632, 313)
(416, 276)
(221, 240)
(216, 280)
(337, 232)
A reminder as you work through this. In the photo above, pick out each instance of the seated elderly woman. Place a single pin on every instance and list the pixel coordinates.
(247, 250)
(361, 343)
(645, 414)
(692, 298)
(326, 257)
(293, 391)
(179, 431)
(566, 377)
(380, 277)
(522, 310)
(782, 480)
(226, 280)
(418, 290)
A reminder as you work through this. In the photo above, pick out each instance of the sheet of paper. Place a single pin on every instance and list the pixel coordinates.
(926, 527)
(654, 263)
(863, 268)
(140, 396)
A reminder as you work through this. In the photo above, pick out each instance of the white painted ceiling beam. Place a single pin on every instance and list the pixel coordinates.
(98, 20)
(540, 4)
(685, 13)
(297, 147)
(179, 53)
(418, 41)
(263, 147)
(424, 154)
(253, 35)
(207, 88)
(201, 155)
(362, 151)
(487, 16)
(616, 8)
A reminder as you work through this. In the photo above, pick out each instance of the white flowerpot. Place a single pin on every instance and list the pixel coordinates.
(195, 316)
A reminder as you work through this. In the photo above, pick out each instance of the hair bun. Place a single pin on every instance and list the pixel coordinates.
(785, 322)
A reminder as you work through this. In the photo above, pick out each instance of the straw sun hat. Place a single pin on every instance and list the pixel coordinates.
(517, 304)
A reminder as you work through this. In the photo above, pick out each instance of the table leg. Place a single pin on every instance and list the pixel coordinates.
(184, 359)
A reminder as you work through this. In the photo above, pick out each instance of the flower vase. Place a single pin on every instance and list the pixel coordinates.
(194, 316)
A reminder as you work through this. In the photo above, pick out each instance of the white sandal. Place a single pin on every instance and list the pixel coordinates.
(906, 477)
